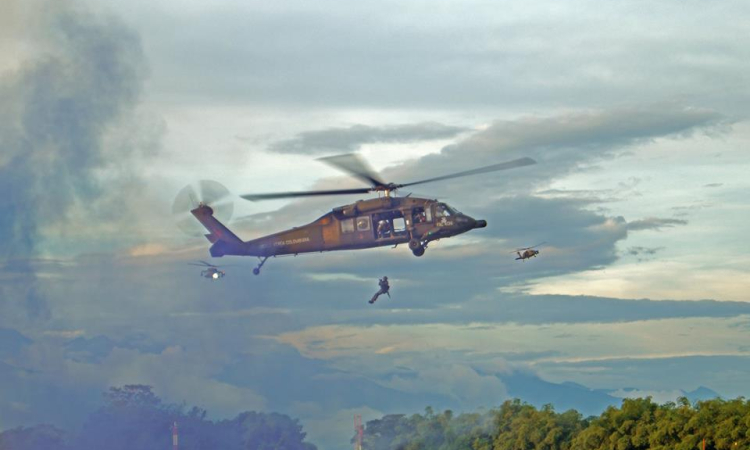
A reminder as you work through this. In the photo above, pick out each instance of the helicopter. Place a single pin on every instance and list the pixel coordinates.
(211, 272)
(383, 221)
(528, 252)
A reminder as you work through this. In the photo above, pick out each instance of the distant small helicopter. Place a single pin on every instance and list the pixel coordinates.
(528, 252)
(211, 272)
(383, 221)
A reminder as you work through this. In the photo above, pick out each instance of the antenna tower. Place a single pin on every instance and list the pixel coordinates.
(359, 430)
(174, 437)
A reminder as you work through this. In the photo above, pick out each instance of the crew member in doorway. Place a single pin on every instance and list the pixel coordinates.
(384, 288)
(384, 229)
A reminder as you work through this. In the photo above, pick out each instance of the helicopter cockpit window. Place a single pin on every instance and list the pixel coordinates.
(347, 226)
(363, 223)
(443, 210)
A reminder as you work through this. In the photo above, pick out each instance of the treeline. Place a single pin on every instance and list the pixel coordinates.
(637, 424)
(132, 417)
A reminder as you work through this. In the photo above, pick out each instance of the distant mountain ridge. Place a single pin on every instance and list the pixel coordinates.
(569, 395)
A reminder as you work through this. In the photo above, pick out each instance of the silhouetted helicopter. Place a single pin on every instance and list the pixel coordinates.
(386, 220)
(528, 252)
(212, 272)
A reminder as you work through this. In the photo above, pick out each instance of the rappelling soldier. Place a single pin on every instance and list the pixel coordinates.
(384, 288)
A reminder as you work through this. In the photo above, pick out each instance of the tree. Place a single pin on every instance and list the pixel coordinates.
(39, 437)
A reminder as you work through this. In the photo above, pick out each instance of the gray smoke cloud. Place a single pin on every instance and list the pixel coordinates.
(56, 111)
(352, 138)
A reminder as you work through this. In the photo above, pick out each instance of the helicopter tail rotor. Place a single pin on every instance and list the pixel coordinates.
(203, 193)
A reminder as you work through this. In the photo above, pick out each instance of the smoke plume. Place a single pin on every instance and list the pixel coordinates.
(82, 75)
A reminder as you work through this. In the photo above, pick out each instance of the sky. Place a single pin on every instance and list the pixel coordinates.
(634, 111)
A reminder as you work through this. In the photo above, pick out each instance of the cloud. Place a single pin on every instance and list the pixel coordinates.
(464, 385)
(453, 57)
(344, 140)
(149, 249)
(654, 223)
(658, 279)
(613, 340)
(561, 144)
(97, 348)
(727, 373)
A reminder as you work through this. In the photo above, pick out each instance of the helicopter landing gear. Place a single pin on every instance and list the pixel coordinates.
(416, 247)
(256, 271)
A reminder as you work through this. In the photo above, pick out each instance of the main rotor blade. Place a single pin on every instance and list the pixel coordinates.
(495, 167)
(533, 246)
(202, 264)
(352, 164)
(277, 195)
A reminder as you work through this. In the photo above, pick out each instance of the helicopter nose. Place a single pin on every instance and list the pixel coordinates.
(480, 224)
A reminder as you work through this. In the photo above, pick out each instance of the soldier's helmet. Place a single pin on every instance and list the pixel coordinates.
(384, 277)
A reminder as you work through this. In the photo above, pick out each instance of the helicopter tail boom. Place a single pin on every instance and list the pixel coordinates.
(224, 241)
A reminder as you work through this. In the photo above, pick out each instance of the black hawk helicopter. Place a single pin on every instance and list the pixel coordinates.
(528, 252)
(211, 272)
(386, 220)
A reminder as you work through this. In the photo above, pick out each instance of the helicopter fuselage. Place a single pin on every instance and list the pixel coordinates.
(364, 224)
(528, 253)
(212, 273)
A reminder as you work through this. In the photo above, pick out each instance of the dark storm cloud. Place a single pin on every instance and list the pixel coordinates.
(97, 348)
(654, 223)
(12, 342)
(317, 382)
(560, 144)
(56, 111)
(422, 305)
(458, 55)
(352, 138)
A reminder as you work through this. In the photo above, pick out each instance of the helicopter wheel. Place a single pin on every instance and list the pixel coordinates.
(414, 244)
(419, 251)
(256, 271)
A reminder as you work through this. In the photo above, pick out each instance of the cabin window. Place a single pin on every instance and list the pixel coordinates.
(419, 215)
(347, 226)
(399, 226)
(363, 223)
(390, 224)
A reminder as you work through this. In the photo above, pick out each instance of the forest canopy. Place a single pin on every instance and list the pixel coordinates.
(638, 424)
(133, 417)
